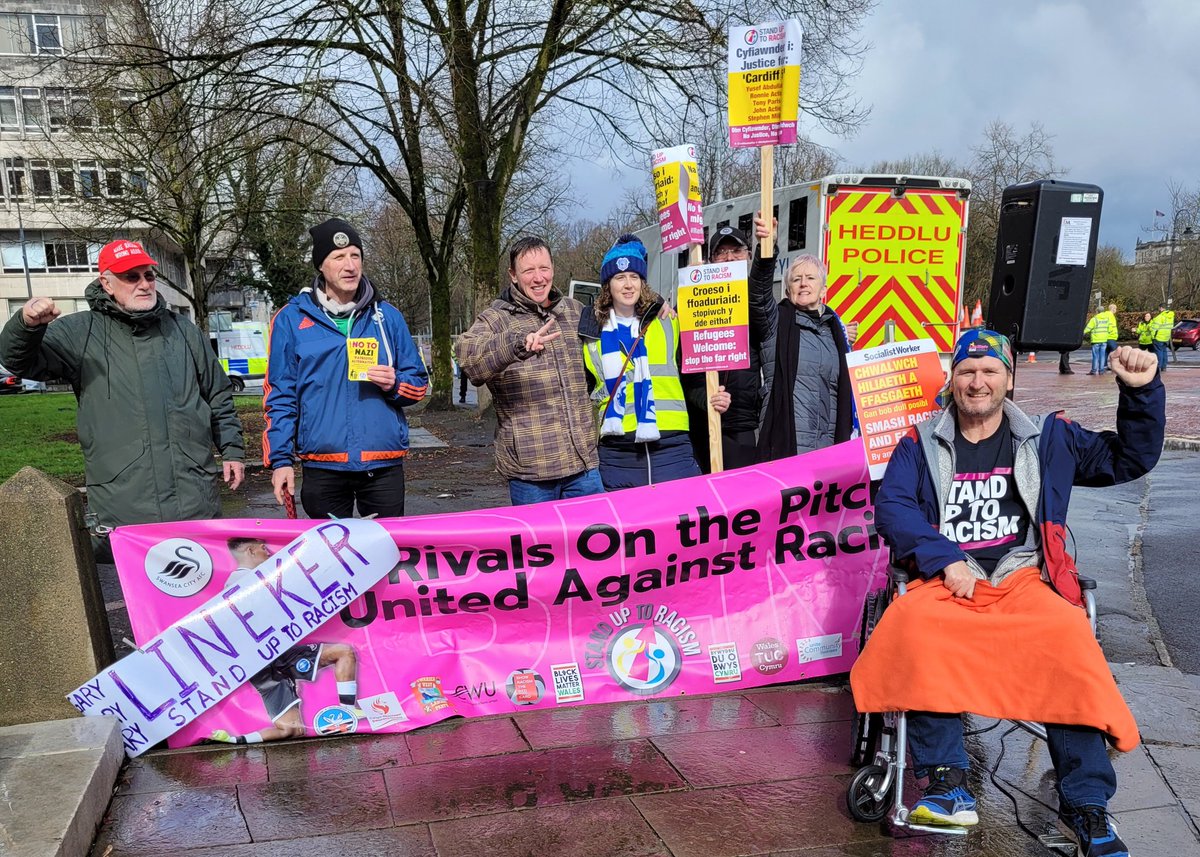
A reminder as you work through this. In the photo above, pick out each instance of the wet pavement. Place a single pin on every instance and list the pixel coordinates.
(746, 773)
(757, 772)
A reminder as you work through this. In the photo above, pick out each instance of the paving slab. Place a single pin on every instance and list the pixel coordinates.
(754, 819)
(1181, 768)
(56, 780)
(292, 760)
(791, 708)
(603, 828)
(759, 755)
(496, 784)
(589, 724)
(1165, 702)
(410, 841)
(341, 803)
(137, 824)
(464, 739)
(191, 769)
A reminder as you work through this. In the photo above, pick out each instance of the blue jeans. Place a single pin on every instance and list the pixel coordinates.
(1160, 348)
(1099, 357)
(1085, 775)
(523, 492)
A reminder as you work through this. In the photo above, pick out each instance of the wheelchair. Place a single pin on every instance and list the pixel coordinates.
(880, 741)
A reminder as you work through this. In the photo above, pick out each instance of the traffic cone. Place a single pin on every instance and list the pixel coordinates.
(977, 315)
(1032, 357)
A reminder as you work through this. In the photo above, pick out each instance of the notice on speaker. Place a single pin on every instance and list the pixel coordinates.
(895, 387)
(1073, 240)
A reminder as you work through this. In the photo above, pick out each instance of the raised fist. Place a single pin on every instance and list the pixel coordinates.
(40, 311)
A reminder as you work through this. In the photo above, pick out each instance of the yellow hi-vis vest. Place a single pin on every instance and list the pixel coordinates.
(1145, 332)
(662, 344)
(1162, 324)
(1098, 327)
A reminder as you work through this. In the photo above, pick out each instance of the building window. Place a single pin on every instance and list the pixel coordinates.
(9, 117)
(89, 179)
(47, 35)
(64, 255)
(33, 111)
(56, 109)
(113, 185)
(137, 182)
(25, 34)
(39, 175)
(66, 178)
(15, 181)
(14, 35)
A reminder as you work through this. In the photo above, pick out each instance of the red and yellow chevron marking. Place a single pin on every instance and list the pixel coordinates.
(896, 258)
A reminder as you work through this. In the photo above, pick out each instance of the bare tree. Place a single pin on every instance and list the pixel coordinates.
(169, 149)
(1003, 158)
(439, 100)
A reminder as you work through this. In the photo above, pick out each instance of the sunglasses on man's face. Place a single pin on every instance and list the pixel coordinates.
(134, 277)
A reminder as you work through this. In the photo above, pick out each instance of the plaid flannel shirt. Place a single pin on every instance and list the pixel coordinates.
(546, 425)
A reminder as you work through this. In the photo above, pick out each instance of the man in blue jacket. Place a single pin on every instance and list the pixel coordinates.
(350, 432)
(975, 502)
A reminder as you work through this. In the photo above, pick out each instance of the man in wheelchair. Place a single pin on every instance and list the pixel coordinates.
(976, 500)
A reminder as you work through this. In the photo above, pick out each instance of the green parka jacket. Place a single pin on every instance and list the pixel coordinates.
(153, 401)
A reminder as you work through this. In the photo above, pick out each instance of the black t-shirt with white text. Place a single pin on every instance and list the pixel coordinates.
(982, 514)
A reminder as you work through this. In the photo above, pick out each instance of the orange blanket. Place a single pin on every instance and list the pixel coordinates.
(1016, 651)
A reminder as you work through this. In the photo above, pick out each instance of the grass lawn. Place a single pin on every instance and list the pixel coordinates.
(38, 429)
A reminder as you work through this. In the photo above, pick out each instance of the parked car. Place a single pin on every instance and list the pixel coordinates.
(1186, 333)
(9, 383)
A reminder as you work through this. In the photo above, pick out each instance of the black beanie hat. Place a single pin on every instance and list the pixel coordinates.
(333, 234)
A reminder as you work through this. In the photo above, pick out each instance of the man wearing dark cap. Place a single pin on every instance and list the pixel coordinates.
(738, 424)
(342, 368)
(153, 400)
(974, 503)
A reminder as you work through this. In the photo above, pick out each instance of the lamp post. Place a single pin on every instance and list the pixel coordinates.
(1180, 212)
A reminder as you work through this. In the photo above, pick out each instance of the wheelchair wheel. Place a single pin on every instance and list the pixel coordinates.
(861, 799)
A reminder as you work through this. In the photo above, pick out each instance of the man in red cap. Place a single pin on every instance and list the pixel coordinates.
(153, 400)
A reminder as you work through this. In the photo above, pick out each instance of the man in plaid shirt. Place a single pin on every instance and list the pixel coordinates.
(526, 349)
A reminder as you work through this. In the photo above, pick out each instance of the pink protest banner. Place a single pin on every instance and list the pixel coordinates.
(734, 580)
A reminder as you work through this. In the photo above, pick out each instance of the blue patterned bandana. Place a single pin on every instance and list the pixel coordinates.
(983, 343)
(978, 342)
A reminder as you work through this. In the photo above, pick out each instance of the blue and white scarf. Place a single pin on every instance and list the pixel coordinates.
(616, 340)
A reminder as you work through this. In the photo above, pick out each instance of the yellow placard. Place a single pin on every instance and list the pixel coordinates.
(362, 354)
(712, 296)
(757, 97)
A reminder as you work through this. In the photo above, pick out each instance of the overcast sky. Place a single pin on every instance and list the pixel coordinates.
(1117, 84)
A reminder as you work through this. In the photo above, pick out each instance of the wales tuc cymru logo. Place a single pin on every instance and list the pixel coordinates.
(751, 36)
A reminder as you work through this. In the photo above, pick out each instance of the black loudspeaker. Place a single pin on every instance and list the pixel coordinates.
(1045, 259)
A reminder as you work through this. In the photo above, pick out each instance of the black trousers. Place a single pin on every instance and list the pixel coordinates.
(462, 385)
(378, 492)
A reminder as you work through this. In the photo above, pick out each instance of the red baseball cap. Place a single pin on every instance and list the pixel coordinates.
(121, 255)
